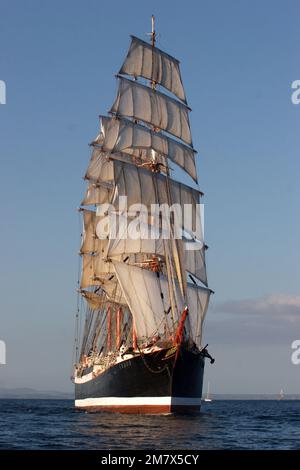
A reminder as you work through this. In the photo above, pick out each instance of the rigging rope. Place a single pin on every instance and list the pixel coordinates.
(149, 368)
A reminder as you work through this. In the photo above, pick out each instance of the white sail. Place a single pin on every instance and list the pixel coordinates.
(94, 270)
(99, 163)
(90, 241)
(100, 173)
(107, 280)
(151, 63)
(142, 290)
(114, 292)
(195, 262)
(125, 235)
(197, 299)
(140, 102)
(122, 135)
(98, 193)
(131, 181)
(134, 235)
(147, 296)
(130, 235)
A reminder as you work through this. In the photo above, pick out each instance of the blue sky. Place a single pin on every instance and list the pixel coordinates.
(238, 60)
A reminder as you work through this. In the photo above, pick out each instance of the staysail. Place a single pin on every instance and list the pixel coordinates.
(148, 298)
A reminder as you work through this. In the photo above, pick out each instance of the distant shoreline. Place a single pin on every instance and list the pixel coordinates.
(32, 394)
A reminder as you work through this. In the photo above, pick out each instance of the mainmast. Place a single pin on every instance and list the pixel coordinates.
(176, 249)
(153, 40)
(153, 33)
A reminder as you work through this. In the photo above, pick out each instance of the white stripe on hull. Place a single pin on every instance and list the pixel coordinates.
(138, 401)
(84, 378)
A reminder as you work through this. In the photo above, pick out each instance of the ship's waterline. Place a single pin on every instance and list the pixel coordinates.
(145, 405)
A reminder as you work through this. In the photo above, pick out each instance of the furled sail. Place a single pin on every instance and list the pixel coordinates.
(144, 60)
(98, 301)
(122, 135)
(94, 300)
(140, 102)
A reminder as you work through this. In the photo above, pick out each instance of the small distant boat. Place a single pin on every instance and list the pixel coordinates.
(207, 398)
(281, 395)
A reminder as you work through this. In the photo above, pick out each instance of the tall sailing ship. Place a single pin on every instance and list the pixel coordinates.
(145, 296)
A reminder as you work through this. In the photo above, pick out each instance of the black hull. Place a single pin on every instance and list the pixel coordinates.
(159, 382)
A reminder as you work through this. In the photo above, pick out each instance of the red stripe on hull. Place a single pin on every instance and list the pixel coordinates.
(143, 409)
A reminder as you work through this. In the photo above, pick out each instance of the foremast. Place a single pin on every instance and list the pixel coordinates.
(137, 289)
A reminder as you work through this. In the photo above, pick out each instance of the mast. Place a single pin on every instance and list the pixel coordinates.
(178, 262)
(134, 338)
(118, 328)
(109, 328)
(153, 40)
(153, 33)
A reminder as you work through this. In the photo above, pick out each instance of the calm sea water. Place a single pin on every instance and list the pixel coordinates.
(54, 424)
